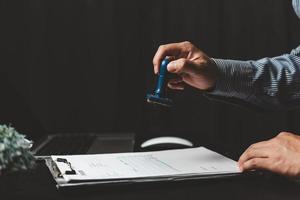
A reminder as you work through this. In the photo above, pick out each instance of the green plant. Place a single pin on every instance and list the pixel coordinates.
(14, 150)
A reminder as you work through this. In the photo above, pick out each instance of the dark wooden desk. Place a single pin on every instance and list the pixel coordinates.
(38, 184)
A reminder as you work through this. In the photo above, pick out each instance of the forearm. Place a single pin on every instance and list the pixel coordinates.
(268, 82)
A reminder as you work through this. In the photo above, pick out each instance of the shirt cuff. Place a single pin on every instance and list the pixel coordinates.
(296, 52)
(234, 79)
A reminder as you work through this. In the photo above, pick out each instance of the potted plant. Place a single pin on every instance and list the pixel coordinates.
(14, 151)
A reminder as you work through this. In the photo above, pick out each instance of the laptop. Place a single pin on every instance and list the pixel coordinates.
(82, 143)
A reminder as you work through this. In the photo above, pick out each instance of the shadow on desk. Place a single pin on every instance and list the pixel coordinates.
(38, 184)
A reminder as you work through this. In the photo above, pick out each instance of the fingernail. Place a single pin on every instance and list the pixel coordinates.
(241, 167)
(172, 66)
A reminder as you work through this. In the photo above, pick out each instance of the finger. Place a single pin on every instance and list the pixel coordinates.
(171, 50)
(258, 145)
(180, 66)
(253, 153)
(170, 58)
(176, 86)
(178, 79)
(258, 163)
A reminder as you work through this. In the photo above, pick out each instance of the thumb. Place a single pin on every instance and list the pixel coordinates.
(181, 65)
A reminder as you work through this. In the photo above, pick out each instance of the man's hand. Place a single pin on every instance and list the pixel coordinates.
(280, 155)
(192, 65)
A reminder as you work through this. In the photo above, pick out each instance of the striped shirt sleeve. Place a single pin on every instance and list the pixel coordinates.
(270, 83)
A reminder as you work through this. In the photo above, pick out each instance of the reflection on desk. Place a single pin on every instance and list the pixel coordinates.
(38, 184)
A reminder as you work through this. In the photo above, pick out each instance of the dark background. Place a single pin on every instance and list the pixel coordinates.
(86, 66)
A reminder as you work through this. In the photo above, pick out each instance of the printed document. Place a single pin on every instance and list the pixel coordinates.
(142, 165)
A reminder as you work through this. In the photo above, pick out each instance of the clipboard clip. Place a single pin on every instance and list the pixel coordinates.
(67, 172)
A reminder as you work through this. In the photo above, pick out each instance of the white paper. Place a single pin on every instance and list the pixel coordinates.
(170, 163)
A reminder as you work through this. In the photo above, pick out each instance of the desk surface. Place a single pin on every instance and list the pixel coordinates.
(38, 184)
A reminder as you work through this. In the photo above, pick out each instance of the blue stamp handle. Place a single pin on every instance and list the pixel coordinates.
(161, 78)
